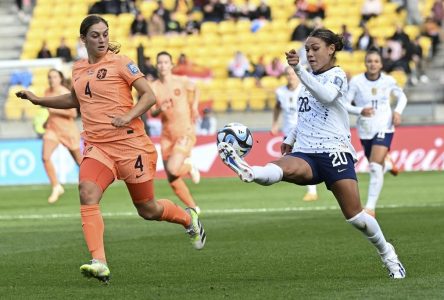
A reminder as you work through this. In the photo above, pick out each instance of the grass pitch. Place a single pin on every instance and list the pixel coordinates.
(263, 243)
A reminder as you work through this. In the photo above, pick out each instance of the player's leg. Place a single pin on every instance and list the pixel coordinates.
(312, 194)
(180, 189)
(94, 178)
(347, 194)
(376, 167)
(389, 165)
(76, 155)
(148, 208)
(50, 143)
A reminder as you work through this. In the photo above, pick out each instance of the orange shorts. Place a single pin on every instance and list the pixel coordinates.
(70, 140)
(183, 144)
(131, 160)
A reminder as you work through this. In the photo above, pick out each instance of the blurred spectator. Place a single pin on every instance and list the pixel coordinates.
(316, 10)
(239, 66)
(247, 10)
(231, 10)
(395, 58)
(403, 37)
(64, 51)
(263, 11)
(162, 12)
(173, 26)
(44, 51)
(438, 11)
(214, 11)
(207, 124)
(370, 9)
(418, 62)
(191, 25)
(139, 26)
(317, 23)
(413, 14)
(188, 68)
(81, 52)
(148, 69)
(301, 31)
(156, 25)
(259, 68)
(275, 68)
(431, 29)
(347, 38)
(114, 7)
(301, 7)
(365, 40)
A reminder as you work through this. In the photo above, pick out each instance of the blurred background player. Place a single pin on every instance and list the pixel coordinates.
(323, 152)
(116, 145)
(177, 107)
(60, 128)
(287, 102)
(372, 93)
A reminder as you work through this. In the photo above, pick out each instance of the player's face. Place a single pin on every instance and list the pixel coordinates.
(54, 79)
(97, 39)
(373, 64)
(164, 65)
(319, 55)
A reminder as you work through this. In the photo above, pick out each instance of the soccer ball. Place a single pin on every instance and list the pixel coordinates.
(238, 136)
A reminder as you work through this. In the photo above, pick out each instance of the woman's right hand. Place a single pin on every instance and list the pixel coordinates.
(286, 149)
(27, 95)
(368, 112)
(292, 57)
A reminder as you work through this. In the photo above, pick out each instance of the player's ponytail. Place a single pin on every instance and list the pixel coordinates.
(330, 38)
(90, 20)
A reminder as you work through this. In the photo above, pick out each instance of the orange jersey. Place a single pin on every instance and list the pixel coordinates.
(104, 90)
(176, 98)
(61, 120)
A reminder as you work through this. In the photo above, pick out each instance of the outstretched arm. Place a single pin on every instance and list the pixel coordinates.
(68, 100)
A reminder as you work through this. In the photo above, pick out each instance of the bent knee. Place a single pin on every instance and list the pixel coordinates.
(148, 210)
(89, 192)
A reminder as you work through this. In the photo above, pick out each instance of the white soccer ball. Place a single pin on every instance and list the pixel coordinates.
(238, 136)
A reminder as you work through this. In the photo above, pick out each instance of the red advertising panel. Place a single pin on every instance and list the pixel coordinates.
(414, 148)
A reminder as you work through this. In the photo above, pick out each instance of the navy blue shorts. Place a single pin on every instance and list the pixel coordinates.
(329, 167)
(383, 139)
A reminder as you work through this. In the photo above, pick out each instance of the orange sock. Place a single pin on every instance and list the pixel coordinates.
(173, 213)
(182, 191)
(93, 228)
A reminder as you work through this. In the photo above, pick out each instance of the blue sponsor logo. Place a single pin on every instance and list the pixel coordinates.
(132, 68)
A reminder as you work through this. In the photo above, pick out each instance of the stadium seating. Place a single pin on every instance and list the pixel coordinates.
(213, 47)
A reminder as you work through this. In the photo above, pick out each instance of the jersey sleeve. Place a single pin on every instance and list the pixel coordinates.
(129, 70)
(351, 94)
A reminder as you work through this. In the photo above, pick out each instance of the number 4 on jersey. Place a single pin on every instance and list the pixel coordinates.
(139, 164)
(88, 90)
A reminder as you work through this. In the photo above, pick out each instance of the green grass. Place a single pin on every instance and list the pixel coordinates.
(250, 254)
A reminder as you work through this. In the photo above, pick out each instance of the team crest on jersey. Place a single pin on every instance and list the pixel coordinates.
(338, 81)
(374, 91)
(132, 68)
(176, 92)
(101, 73)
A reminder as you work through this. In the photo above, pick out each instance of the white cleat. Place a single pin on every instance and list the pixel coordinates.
(194, 171)
(391, 262)
(234, 162)
(197, 234)
(57, 191)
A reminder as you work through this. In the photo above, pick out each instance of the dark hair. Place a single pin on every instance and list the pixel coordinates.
(164, 53)
(373, 50)
(95, 19)
(329, 37)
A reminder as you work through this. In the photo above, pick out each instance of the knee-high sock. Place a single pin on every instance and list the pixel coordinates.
(268, 174)
(370, 228)
(311, 189)
(93, 228)
(180, 188)
(375, 186)
(173, 213)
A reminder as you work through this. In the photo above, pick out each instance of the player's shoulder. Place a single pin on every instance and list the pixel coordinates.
(388, 79)
(359, 78)
(80, 63)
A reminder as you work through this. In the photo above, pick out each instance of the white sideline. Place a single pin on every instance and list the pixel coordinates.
(210, 211)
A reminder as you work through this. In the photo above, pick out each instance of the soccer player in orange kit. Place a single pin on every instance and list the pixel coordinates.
(177, 107)
(116, 145)
(59, 128)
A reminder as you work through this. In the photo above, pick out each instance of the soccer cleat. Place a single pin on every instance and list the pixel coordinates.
(195, 230)
(57, 191)
(96, 269)
(371, 212)
(197, 210)
(310, 197)
(194, 171)
(234, 162)
(391, 262)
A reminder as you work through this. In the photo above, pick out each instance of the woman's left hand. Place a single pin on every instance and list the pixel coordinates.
(396, 119)
(120, 121)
